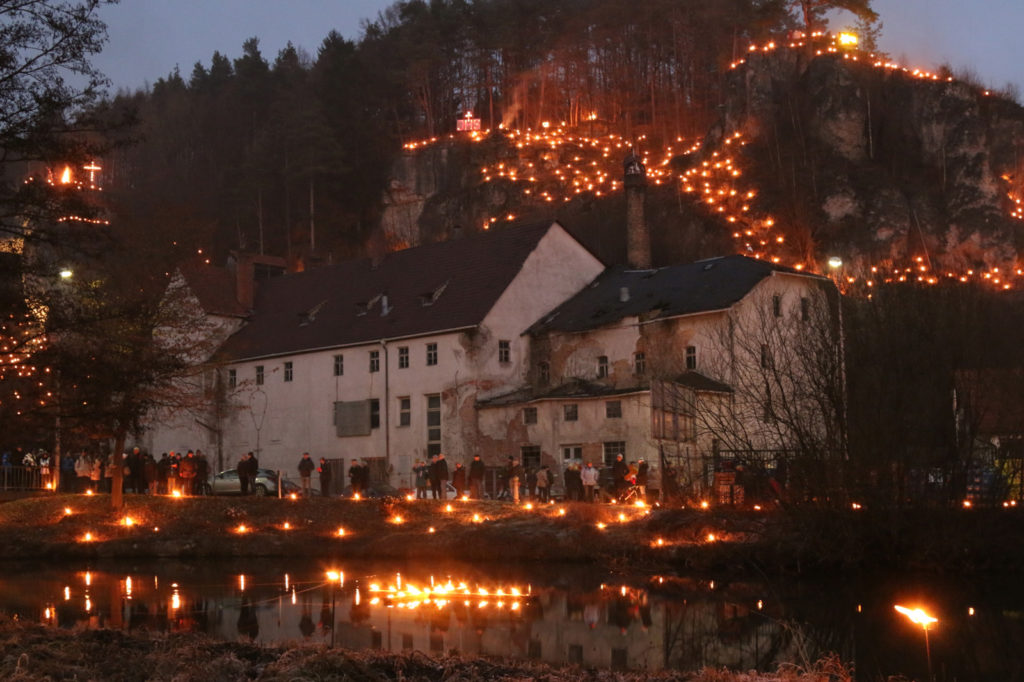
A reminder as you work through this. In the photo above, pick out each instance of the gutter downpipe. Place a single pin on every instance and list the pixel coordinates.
(386, 412)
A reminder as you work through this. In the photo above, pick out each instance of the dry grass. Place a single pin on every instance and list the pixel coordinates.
(35, 653)
(485, 530)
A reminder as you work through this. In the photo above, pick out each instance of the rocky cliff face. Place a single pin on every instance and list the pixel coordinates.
(880, 165)
(877, 165)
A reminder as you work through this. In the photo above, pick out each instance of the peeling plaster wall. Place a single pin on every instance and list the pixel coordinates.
(507, 434)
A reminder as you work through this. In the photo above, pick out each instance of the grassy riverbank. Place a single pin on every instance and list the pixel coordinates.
(35, 653)
(654, 539)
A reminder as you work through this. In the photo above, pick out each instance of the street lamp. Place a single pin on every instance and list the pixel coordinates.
(919, 617)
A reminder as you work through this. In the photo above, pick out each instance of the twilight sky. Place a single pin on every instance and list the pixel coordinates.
(149, 37)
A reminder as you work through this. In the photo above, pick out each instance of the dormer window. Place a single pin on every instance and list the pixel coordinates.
(430, 297)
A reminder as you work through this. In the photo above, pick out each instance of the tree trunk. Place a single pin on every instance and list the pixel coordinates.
(117, 480)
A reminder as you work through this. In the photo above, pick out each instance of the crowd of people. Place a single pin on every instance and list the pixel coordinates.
(188, 474)
(582, 482)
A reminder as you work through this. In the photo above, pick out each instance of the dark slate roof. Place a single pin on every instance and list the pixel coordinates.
(214, 287)
(704, 286)
(574, 388)
(699, 382)
(340, 305)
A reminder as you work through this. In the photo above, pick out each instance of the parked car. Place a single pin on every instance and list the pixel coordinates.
(227, 483)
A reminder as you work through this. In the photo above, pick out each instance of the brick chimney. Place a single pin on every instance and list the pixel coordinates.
(638, 238)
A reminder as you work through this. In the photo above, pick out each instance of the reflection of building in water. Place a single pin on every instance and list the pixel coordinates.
(611, 628)
(617, 627)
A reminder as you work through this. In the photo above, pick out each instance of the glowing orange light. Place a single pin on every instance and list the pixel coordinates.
(340, 532)
(917, 616)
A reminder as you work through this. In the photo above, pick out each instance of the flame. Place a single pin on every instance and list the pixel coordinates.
(917, 616)
(65, 176)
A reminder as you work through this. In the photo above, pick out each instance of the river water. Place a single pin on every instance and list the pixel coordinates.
(559, 614)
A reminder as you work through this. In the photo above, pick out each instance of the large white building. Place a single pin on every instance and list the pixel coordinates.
(512, 342)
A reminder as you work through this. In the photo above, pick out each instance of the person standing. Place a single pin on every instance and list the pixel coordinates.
(435, 478)
(476, 477)
(543, 483)
(515, 475)
(187, 473)
(83, 471)
(324, 469)
(355, 477)
(422, 472)
(620, 470)
(459, 480)
(641, 478)
(243, 473)
(306, 467)
(442, 475)
(589, 477)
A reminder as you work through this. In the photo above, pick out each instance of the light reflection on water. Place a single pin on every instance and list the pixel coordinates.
(565, 615)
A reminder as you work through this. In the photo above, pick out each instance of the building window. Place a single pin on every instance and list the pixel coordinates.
(571, 412)
(613, 409)
(602, 366)
(289, 371)
(431, 354)
(504, 351)
(403, 357)
(543, 373)
(613, 449)
(259, 375)
(232, 378)
(639, 364)
(404, 411)
(530, 455)
(766, 356)
(777, 305)
(374, 413)
(374, 361)
(805, 308)
(572, 452)
(433, 425)
(529, 415)
(691, 357)
(339, 365)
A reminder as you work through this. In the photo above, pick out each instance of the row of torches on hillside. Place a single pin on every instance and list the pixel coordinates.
(593, 168)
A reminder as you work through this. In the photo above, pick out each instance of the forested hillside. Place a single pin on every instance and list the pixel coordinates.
(287, 152)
